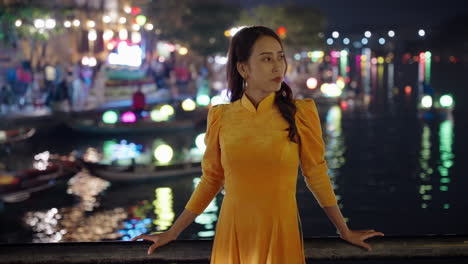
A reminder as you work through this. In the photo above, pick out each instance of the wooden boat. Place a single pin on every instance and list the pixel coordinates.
(98, 127)
(16, 135)
(141, 172)
(18, 186)
(182, 121)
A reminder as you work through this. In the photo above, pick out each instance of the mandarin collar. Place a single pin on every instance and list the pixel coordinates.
(264, 105)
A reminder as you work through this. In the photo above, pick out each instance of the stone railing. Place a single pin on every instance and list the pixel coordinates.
(198, 251)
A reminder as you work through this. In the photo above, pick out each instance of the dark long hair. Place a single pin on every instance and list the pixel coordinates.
(240, 50)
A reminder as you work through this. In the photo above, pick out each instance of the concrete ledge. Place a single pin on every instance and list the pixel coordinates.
(198, 251)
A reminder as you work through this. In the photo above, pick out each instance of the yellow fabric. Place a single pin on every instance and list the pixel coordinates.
(248, 151)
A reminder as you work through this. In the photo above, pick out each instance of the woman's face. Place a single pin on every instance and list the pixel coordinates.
(266, 66)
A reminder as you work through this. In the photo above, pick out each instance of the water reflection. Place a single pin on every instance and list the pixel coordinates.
(446, 158)
(335, 148)
(163, 208)
(74, 223)
(444, 163)
(209, 217)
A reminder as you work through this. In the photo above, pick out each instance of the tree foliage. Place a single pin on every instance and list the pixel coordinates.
(303, 24)
(200, 24)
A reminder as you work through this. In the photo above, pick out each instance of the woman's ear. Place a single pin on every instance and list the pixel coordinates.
(242, 69)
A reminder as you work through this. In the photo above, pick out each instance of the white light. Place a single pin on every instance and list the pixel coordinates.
(188, 105)
(426, 101)
(368, 34)
(127, 9)
(381, 41)
(18, 23)
(123, 34)
(183, 51)
(91, 24)
(364, 41)
(122, 20)
(92, 62)
(136, 27)
(126, 55)
(149, 26)
(221, 59)
(136, 37)
(200, 142)
(391, 33)
(346, 41)
(39, 23)
(108, 34)
(163, 153)
(422, 33)
(76, 23)
(330, 41)
(85, 60)
(50, 23)
(67, 24)
(216, 100)
(92, 35)
(106, 19)
(234, 30)
(167, 110)
(335, 34)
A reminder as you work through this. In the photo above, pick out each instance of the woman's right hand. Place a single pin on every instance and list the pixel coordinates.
(158, 239)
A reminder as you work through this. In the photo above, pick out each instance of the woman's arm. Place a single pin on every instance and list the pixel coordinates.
(184, 220)
(355, 237)
(335, 216)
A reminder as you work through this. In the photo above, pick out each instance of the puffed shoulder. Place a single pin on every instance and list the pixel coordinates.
(214, 115)
(306, 111)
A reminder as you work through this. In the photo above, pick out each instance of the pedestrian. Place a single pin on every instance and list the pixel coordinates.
(258, 221)
(138, 101)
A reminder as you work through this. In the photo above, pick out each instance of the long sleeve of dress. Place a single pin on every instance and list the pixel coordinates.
(312, 151)
(212, 179)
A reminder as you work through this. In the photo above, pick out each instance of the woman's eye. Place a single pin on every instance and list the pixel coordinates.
(267, 59)
(281, 57)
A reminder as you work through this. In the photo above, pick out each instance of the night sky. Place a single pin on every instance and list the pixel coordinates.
(346, 14)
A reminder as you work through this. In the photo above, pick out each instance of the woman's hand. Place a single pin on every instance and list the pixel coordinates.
(158, 239)
(357, 237)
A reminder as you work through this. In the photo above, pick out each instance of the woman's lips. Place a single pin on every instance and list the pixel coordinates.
(278, 79)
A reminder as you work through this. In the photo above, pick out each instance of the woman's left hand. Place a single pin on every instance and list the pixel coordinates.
(357, 237)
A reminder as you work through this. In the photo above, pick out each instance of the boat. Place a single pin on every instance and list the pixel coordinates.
(18, 186)
(138, 123)
(98, 127)
(138, 172)
(16, 135)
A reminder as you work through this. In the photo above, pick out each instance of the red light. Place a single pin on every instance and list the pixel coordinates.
(348, 68)
(281, 31)
(422, 55)
(344, 105)
(453, 59)
(135, 11)
(408, 90)
(348, 80)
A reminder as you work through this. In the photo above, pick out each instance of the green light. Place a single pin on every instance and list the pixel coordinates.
(445, 180)
(140, 20)
(428, 55)
(446, 100)
(110, 117)
(424, 205)
(444, 188)
(203, 100)
(446, 206)
(427, 197)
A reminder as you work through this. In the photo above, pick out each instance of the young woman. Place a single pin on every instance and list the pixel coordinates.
(254, 146)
